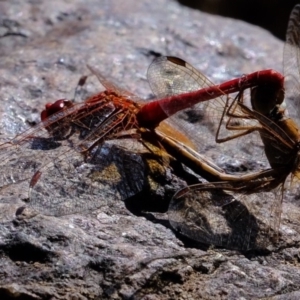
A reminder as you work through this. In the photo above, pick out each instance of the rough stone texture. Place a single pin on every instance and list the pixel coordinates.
(113, 253)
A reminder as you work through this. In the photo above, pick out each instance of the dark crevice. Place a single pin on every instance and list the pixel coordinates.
(171, 276)
(8, 294)
(24, 251)
(271, 15)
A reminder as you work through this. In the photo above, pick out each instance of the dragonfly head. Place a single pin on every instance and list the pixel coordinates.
(52, 108)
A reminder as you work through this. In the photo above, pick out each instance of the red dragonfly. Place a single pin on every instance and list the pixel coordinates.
(241, 212)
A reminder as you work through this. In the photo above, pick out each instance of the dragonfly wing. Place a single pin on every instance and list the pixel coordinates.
(23, 156)
(20, 165)
(215, 214)
(70, 185)
(112, 86)
(291, 64)
(171, 76)
(62, 167)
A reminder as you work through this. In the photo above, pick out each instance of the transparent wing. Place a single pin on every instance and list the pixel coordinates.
(172, 76)
(216, 214)
(70, 185)
(112, 86)
(169, 76)
(291, 64)
(27, 152)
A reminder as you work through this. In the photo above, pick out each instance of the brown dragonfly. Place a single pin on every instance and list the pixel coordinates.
(239, 211)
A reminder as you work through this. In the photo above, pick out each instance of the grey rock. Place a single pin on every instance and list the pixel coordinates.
(114, 253)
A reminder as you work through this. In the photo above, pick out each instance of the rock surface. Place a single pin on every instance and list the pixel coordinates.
(114, 253)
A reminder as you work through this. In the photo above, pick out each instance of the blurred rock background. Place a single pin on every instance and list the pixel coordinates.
(270, 14)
